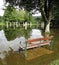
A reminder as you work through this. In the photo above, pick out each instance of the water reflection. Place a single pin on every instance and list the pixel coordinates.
(6, 46)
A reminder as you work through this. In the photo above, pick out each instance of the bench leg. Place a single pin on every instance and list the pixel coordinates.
(25, 53)
(25, 50)
(51, 45)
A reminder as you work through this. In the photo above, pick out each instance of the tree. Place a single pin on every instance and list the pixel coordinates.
(56, 12)
(10, 14)
(1, 18)
(44, 6)
(55, 20)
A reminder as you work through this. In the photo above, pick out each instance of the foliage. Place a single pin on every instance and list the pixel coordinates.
(1, 18)
(39, 19)
(9, 13)
(56, 13)
(24, 16)
(12, 14)
(1, 22)
(21, 15)
(18, 32)
(55, 20)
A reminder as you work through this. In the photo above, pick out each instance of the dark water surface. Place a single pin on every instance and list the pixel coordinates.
(16, 58)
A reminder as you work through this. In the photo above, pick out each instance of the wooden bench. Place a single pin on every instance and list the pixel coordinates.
(32, 43)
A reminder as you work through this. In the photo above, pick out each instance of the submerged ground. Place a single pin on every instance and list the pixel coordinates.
(46, 55)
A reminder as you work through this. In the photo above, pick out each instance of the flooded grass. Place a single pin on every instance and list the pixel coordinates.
(16, 58)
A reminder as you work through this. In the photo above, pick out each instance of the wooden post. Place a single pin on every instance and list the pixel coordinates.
(51, 44)
(10, 24)
(19, 24)
(30, 24)
(42, 25)
(25, 25)
(14, 25)
(25, 49)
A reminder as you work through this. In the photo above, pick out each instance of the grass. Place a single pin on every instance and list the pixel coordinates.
(56, 62)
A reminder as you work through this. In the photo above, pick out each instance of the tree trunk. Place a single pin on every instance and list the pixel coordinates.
(46, 11)
(47, 29)
(46, 21)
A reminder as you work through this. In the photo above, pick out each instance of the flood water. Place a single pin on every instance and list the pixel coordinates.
(17, 58)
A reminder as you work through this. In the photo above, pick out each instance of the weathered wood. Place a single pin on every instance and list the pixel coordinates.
(37, 53)
(39, 39)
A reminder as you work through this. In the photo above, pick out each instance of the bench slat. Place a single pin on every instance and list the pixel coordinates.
(39, 39)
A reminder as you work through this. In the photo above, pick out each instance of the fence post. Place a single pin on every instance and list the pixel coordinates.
(10, 24)
(42, 25)
(19, 24)
(14, 25)
(30, 24)
(25, 25)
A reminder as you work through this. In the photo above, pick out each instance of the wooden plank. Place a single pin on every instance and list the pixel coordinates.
(37, 52)
(39, 39)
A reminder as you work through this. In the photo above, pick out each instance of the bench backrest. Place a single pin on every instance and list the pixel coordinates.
(39, 39)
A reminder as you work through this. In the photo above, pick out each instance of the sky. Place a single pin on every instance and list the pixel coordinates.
(37, 14)
(1, 7)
